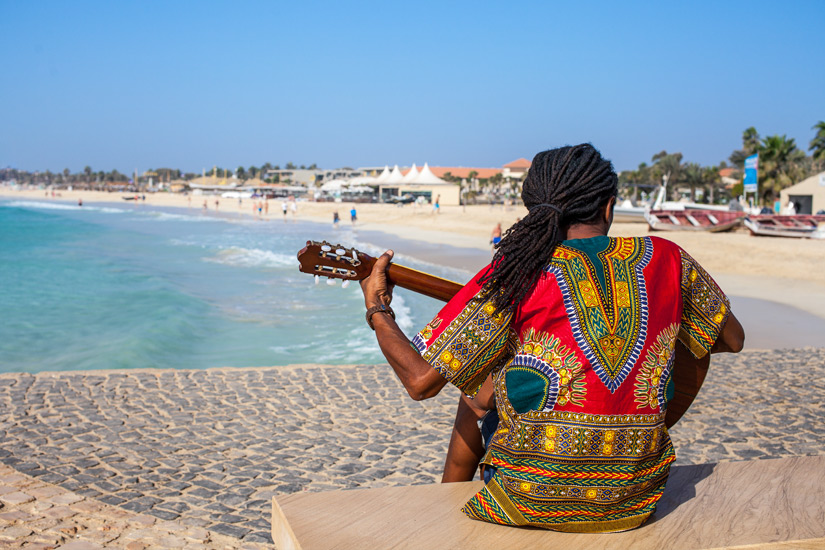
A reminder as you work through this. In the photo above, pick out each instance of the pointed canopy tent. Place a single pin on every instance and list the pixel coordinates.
(384, 175)
(395, 176)
(333, 185)
(426, 177)
(411, 175)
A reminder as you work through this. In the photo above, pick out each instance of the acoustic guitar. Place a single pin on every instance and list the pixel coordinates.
(338, 262)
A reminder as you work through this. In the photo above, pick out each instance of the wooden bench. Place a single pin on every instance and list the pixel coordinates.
(766, 504)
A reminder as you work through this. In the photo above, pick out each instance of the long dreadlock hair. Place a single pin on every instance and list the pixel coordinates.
(563, 186)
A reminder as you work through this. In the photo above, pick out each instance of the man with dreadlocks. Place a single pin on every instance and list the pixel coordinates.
(573, 333)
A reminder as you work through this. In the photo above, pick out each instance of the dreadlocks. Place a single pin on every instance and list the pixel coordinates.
(564, 186)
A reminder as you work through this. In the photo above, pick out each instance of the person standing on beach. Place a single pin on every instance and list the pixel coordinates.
(335, 219)
(495, 237)
(284, 206)
(569, 336)
(353, 215)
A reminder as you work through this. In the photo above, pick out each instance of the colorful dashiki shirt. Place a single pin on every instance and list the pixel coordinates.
(582, 373)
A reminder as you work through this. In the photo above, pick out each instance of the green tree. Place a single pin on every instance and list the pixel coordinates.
(241, 173)
(712, 181)
(694, 177)
(253, 171)
(817, 144)
(750, 145)
(667, 168)
(779, 165)
(290, 166)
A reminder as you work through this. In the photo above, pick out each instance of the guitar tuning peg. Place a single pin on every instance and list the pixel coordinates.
(317, 279)
(331, 282)
(345, 284)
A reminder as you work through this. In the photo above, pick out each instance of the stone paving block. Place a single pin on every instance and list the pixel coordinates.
(65, 498)
(14, 532)
(59, 512)
(15, 516)
(15, 498)
(81, 545)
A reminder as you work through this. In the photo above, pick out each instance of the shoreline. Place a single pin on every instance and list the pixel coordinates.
(770, 322)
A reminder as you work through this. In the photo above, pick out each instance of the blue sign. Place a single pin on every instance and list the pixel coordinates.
(751, 166)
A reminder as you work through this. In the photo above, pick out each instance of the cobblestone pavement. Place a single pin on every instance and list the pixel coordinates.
(207, 449)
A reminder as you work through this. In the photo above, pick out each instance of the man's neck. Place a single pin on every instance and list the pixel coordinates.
(585, 231)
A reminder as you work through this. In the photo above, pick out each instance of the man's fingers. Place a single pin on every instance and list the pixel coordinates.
(383, 261)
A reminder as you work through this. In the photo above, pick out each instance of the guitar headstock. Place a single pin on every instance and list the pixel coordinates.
(334, 261)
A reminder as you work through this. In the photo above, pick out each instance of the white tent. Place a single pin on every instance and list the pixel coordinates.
(333, 185)
(427, 177)
(395, 176)
(362, 180)
(411, 175)
(383, 176)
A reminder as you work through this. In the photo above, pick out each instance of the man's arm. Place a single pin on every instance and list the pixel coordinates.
(419, 378)
(732, 337)
(466, 446)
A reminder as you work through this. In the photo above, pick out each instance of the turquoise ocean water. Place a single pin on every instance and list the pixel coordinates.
(136, 286)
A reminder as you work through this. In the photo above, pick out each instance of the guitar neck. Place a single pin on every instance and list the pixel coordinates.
(422, 283)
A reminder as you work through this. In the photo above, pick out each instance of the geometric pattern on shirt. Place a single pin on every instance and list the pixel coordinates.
(577, 472)
(609, 323)
(705, 308)
(585, 438)
(543, 373)
(470, 346)
(654, 373)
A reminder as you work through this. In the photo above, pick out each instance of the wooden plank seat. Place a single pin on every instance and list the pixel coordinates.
(766, 504)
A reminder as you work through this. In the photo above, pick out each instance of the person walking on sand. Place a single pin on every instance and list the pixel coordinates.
(293, 208)
(266, 206)
(568, 338)
(495, 237)
(284, 207)
(217, 204)
(353, 215)
(437, 204)
(205, 206)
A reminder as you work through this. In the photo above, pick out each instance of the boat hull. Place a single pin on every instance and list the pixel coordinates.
(712, 221)
(799, 226)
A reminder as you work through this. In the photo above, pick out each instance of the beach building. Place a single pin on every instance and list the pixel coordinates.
(516, 169)
(808, 195)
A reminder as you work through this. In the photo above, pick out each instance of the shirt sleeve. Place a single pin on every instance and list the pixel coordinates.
(705, 308)
(466, 340)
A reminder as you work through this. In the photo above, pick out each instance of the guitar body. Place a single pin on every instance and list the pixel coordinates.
(338, 262)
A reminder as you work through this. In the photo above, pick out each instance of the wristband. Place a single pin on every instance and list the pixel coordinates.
(381, 308)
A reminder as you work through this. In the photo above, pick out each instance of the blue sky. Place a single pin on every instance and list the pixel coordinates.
(194, 84)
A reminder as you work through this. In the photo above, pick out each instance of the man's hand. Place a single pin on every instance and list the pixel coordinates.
(376, 289)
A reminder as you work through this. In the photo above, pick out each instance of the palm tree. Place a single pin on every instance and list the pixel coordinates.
(750, 145)
(817, 144)
(712, 181)
(694, 176)
(779, 165)
(668, 168)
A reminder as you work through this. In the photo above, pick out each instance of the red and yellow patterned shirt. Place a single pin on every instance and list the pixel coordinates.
(582, 372)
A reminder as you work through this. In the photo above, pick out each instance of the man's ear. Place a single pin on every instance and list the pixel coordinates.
(607, 215)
